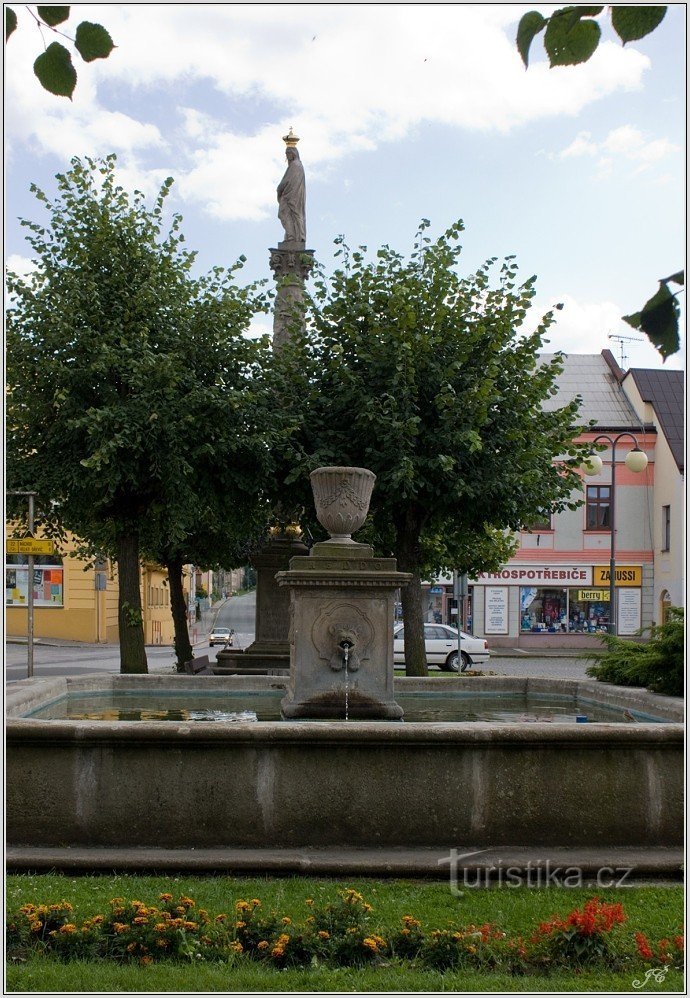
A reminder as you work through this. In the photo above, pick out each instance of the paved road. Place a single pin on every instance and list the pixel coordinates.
(72, 658)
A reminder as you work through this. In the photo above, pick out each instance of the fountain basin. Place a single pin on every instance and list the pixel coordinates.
(324, 784)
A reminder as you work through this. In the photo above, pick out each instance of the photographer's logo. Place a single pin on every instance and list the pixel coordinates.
(656, 974)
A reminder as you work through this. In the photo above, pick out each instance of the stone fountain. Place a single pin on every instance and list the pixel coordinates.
(341, 611)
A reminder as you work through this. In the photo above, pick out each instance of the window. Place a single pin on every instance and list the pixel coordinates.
(542, 521)
(665, 528)
(598, 507)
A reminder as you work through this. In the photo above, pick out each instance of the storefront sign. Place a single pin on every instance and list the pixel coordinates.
(593, 595)
(626, 575)
(496, 610)
(629, 611)
(538, 575)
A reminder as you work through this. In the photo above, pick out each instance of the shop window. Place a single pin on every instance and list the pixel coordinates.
(543, 610)
(589, 611)
(598, 507)
(665, 528)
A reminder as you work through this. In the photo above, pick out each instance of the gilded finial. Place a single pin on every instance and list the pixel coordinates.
(291, 139)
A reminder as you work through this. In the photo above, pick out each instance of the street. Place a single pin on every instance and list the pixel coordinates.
(56, 658)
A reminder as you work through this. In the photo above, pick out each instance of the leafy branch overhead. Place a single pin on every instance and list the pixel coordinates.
(659, 317)
(572, 35)
(54, 68)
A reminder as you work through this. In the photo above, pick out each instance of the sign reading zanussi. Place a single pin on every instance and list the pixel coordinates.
(548, 576)
(626, 575)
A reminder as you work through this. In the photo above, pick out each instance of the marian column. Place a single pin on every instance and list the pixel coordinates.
(290, 262)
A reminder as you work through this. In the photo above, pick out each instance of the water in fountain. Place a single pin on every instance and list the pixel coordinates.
(346, 655)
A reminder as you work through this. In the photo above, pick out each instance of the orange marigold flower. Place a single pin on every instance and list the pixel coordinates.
(262, 944)
(162, 943)
(26, 909)
(324, 935)
(240, 925)
(165, 897)
(140, 920)
(187, 902)
(236, 946)
(120, 927)
(97, 919)
(181, 910)
(221, 918)
(131, 947)
(68, 928)
(277, 951)
(679, 943)
(36, 925)
(286, 920)
(146, 960)
(309, 901)
(190, 926)
(242, 906)
(161, 927)
(256, 902)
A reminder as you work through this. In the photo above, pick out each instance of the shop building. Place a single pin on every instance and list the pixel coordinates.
(555, 591)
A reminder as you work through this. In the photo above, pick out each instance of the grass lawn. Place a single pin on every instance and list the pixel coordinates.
(657, 911)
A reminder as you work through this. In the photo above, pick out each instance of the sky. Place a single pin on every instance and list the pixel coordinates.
(404, 112)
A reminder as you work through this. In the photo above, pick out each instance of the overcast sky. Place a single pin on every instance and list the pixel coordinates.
(404, 112)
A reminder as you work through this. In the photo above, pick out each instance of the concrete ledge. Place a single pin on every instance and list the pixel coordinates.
(491, 864)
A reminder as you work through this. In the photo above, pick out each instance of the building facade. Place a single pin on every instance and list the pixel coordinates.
(555, 591)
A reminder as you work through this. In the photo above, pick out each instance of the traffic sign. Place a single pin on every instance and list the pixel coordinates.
(29, 545)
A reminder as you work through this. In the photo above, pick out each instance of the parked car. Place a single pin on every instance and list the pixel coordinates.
(441, 644)
(221, 636)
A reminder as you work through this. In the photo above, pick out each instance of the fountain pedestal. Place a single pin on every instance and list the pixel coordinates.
(341, 633)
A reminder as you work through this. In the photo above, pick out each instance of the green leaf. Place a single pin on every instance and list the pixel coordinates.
(631, 23)
(677, 278)
(55, 71)
(53, 15)
(93, 41)
(530, 25)
(659, 320)
(569, 40)
(10, 22)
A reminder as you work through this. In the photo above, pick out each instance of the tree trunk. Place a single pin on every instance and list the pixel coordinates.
(130, 617)
(409, 559)
(183, 646)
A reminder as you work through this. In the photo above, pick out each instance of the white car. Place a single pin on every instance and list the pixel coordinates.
(441, 644)
(220, 636)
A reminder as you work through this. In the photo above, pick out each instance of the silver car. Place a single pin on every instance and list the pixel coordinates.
(441, 644)
(221, 636)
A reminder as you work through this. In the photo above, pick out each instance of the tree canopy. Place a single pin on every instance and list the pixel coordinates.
(130, 408)
(425, 377)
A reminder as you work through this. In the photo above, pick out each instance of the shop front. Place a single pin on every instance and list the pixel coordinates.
(529, 605)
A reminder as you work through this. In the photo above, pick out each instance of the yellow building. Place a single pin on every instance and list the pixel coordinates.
(76, 600)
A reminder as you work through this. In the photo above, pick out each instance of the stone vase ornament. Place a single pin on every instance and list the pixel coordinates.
(342, 497)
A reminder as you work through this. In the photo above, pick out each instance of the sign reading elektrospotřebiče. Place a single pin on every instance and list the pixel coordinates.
(546, 576)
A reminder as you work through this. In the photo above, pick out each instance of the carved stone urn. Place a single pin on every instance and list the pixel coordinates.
(342, 497)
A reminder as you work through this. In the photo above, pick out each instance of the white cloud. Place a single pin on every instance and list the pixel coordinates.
(624, 143)
(21, 265)
(587, 327)
(348, 77)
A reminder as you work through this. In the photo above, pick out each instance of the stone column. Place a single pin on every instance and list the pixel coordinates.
(291, 266)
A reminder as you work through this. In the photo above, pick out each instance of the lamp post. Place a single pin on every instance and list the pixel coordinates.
(636, 461)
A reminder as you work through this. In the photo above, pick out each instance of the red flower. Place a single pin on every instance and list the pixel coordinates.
(643, 947)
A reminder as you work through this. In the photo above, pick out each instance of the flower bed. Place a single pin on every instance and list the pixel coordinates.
(340, 933)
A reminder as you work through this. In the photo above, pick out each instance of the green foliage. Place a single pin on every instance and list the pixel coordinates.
(657, 664)
(338, 933)
(659, 317)
(571, 35)
(54, 68)
(130, 403)
(426, 378)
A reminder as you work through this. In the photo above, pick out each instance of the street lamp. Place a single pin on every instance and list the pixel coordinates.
(635, 460)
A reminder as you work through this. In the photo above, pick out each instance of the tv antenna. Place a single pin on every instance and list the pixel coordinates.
(623, 340)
